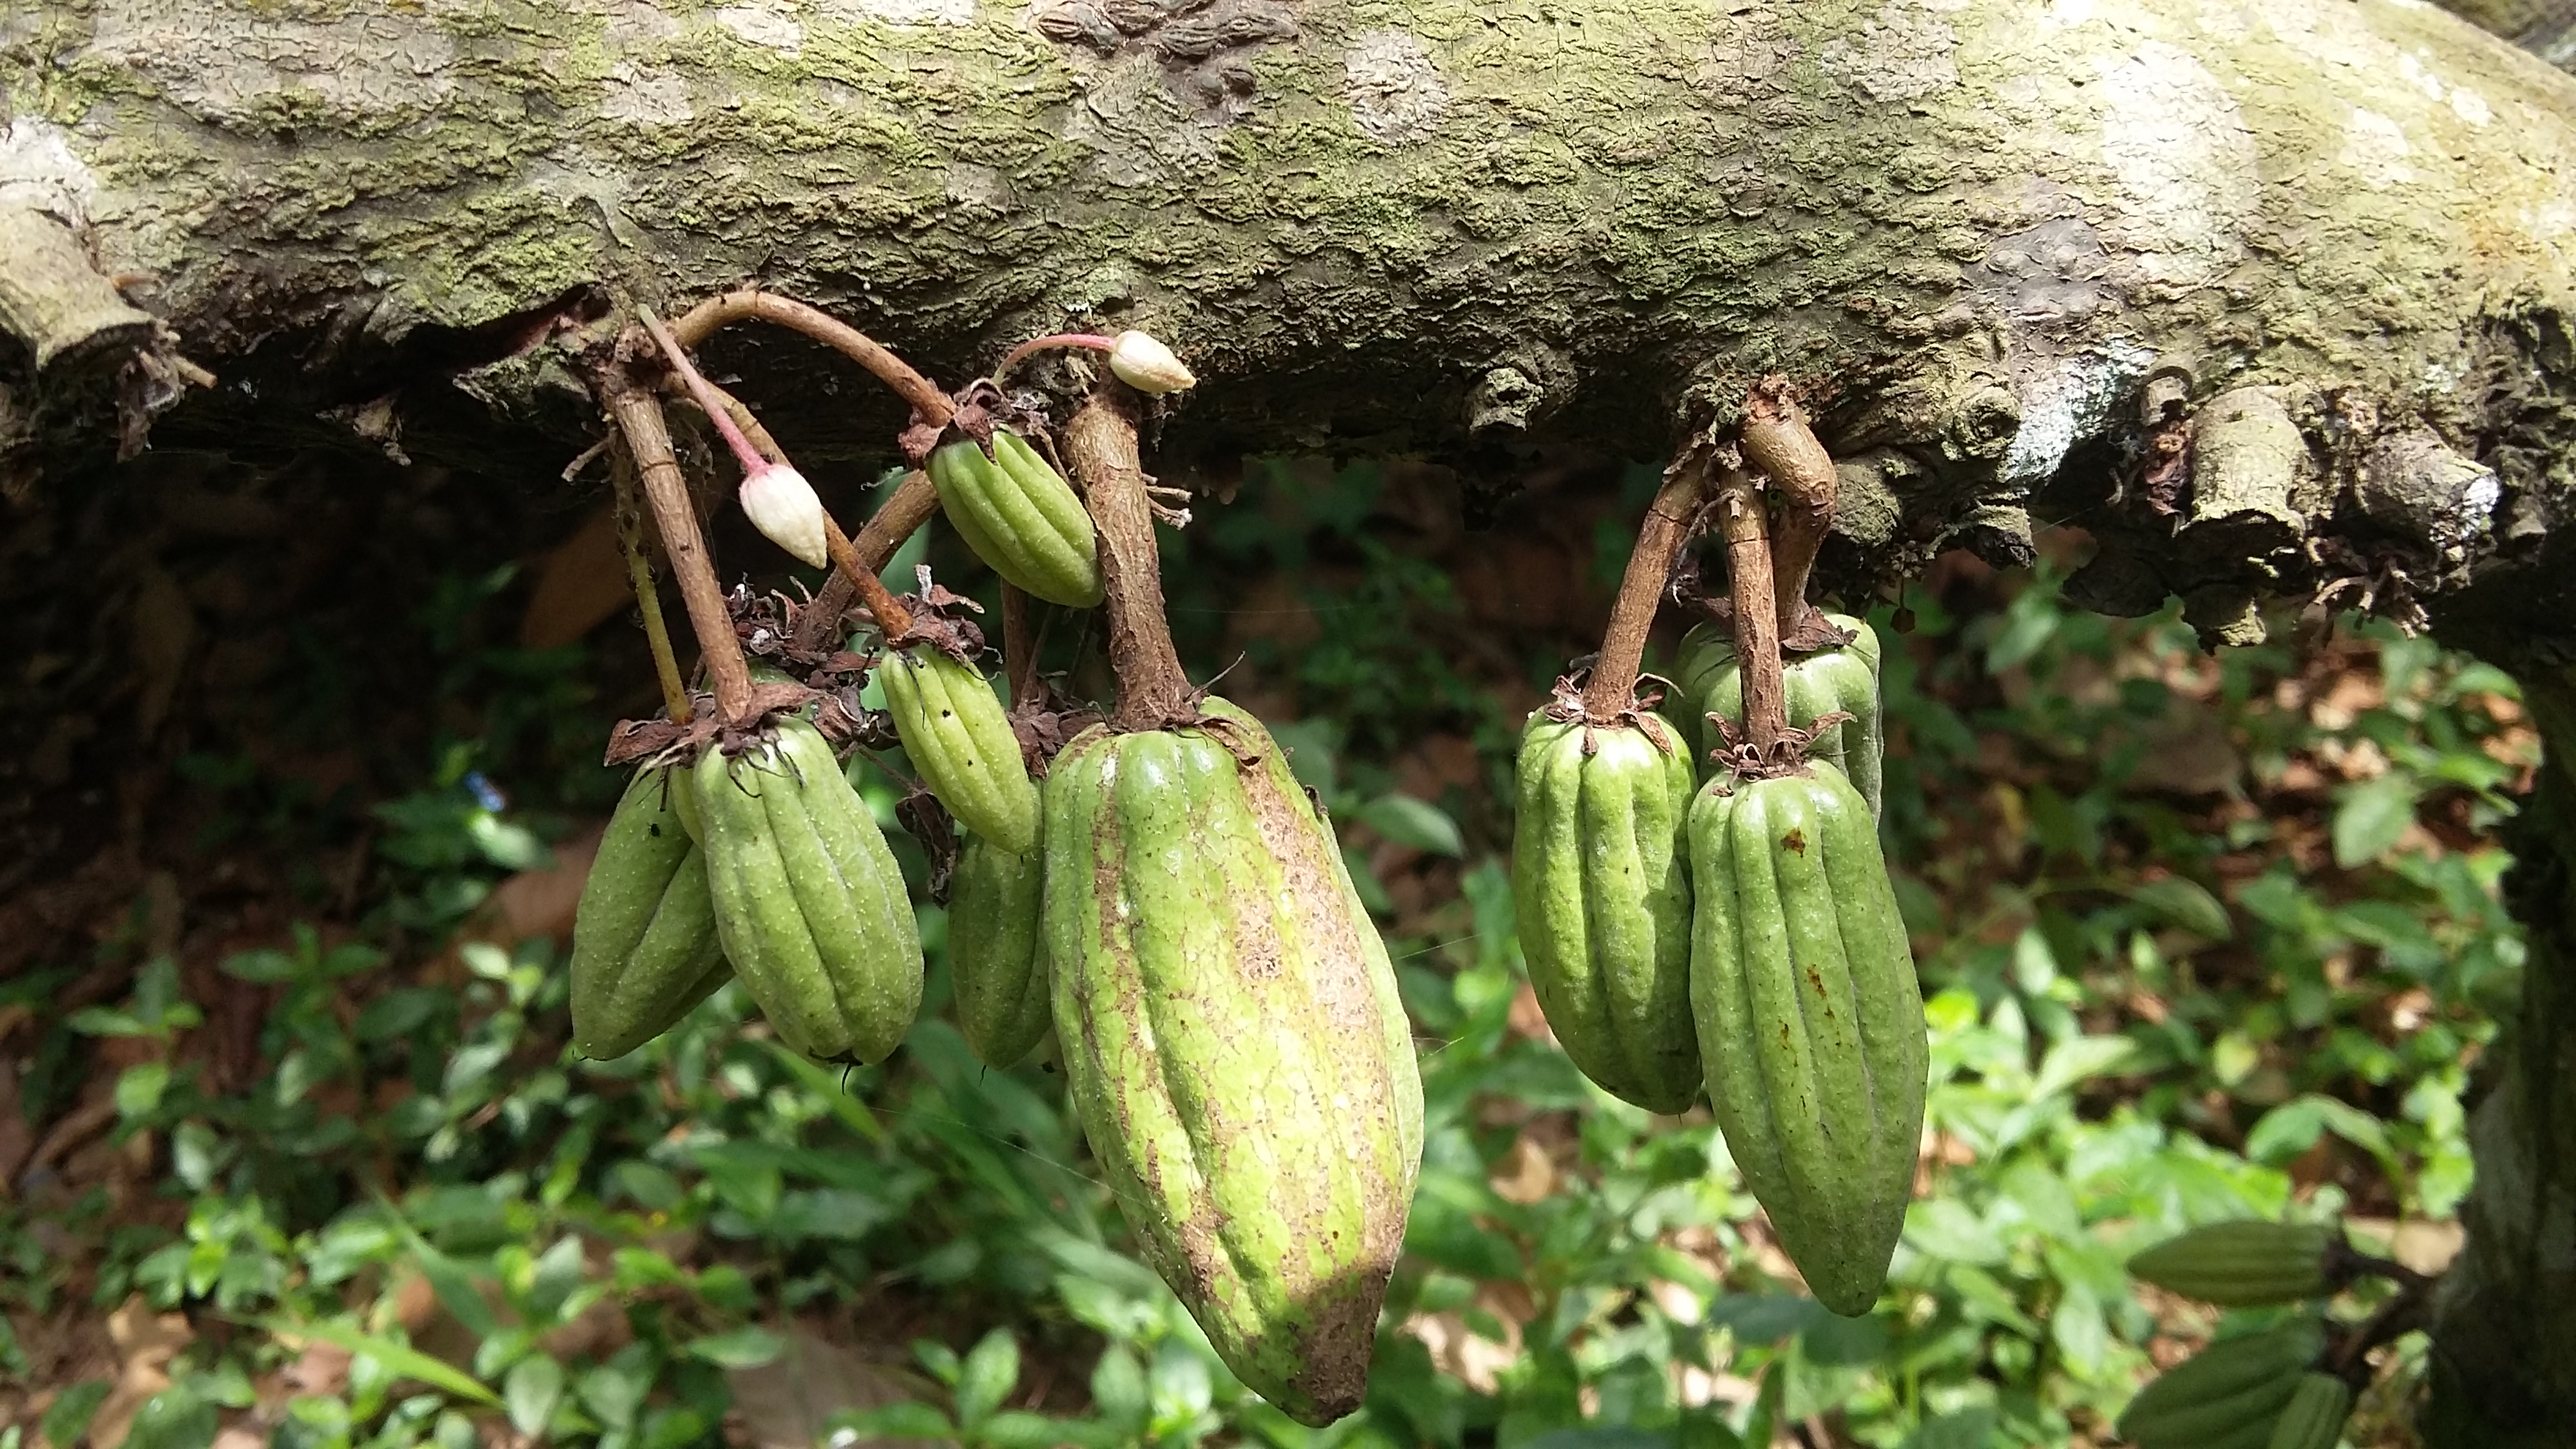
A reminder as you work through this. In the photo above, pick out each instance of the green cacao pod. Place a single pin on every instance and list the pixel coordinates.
(956, 733)
(2314, 1418)
(1844, 679)
(1234, 1045)
(644, 950)
(809, 902)
(2229, 1395)
(1019, 515)
(1601, 882)
(2242, 1264)
(1810, 1020)
(996, 954)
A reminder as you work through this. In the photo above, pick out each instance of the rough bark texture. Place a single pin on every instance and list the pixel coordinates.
(2272, 296)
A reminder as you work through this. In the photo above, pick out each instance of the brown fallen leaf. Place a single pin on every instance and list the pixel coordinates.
(581, 583)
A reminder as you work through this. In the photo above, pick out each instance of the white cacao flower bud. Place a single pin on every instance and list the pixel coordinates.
(782, 505)
(1147, 365)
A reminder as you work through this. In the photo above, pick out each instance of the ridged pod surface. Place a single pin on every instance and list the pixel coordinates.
(1234, 1045)
(810, 905)
(2241, 1264)
(1810, 1020)
(1817, 685)
(644, 950)
(956, 733)
(996, 951)
(1019, 515)
(2314, 1419)
(1601, 884)
(2229, 1395)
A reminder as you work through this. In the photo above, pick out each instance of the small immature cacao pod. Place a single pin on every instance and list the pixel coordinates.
(1019, 515)
(1818, 684)
(809, 902)
(2241, 1264)
(956, 733)
(644, 950)
(1810, 1020)
(2229, 1395)
(1601, 884)
(996, 951)
(1234, 1045)
(2314, 1419)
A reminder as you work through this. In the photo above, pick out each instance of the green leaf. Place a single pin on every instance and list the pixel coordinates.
(532, 1390)
(2078, 1330)
(175, 1418)
(991, 1370)
(1020, 1429)
(69, 1418)
(2371, 816)
(399, 1359)
(2079, 1059)
(894, 1421)
(749, 1346)
(139, 1088)
(511, 847)
(2187, 904)
(1415, 823)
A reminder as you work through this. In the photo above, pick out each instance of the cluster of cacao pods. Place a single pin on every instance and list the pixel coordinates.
(1736, 935)
(2264, 1390)
(1161, 897)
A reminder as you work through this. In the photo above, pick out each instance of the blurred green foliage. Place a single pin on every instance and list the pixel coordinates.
(2151, 1004)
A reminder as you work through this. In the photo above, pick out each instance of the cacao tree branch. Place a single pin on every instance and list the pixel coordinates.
(1100, 448)
(53, 301)
(907, 508)
(639, 573)
(1776, 442)
(1611, 695)
(1740, 522)
(648, 441)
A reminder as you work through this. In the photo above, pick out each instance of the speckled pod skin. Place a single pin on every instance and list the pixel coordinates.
(1818, 684)
(810, 905)
(1019, 515)
(644, 950)
(1234, 1045)
(1810, 1021)
(2230, 1395)
(1601, 883)
(956, 733)
(996, 952)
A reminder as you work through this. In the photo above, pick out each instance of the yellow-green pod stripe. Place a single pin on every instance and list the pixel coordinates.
(2314, 1418)
(2232, 1391)
(1232, 1044)
(1810, 1020)
(996, 956)
(1020, 516)
(1844, 679)
(956, 733)
(1601, 884)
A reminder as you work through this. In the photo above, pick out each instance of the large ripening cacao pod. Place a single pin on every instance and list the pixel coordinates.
(1810, 1020)
(2229, 1395)
(809, 902)
(2241, 1264)
(1600, 879)
(1019, 515)
(956, 733)
(1818, 684)
(997, 960)
(644, 950)
(1234, 1045)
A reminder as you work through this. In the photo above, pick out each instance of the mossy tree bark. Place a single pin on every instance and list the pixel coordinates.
(2270, 295)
